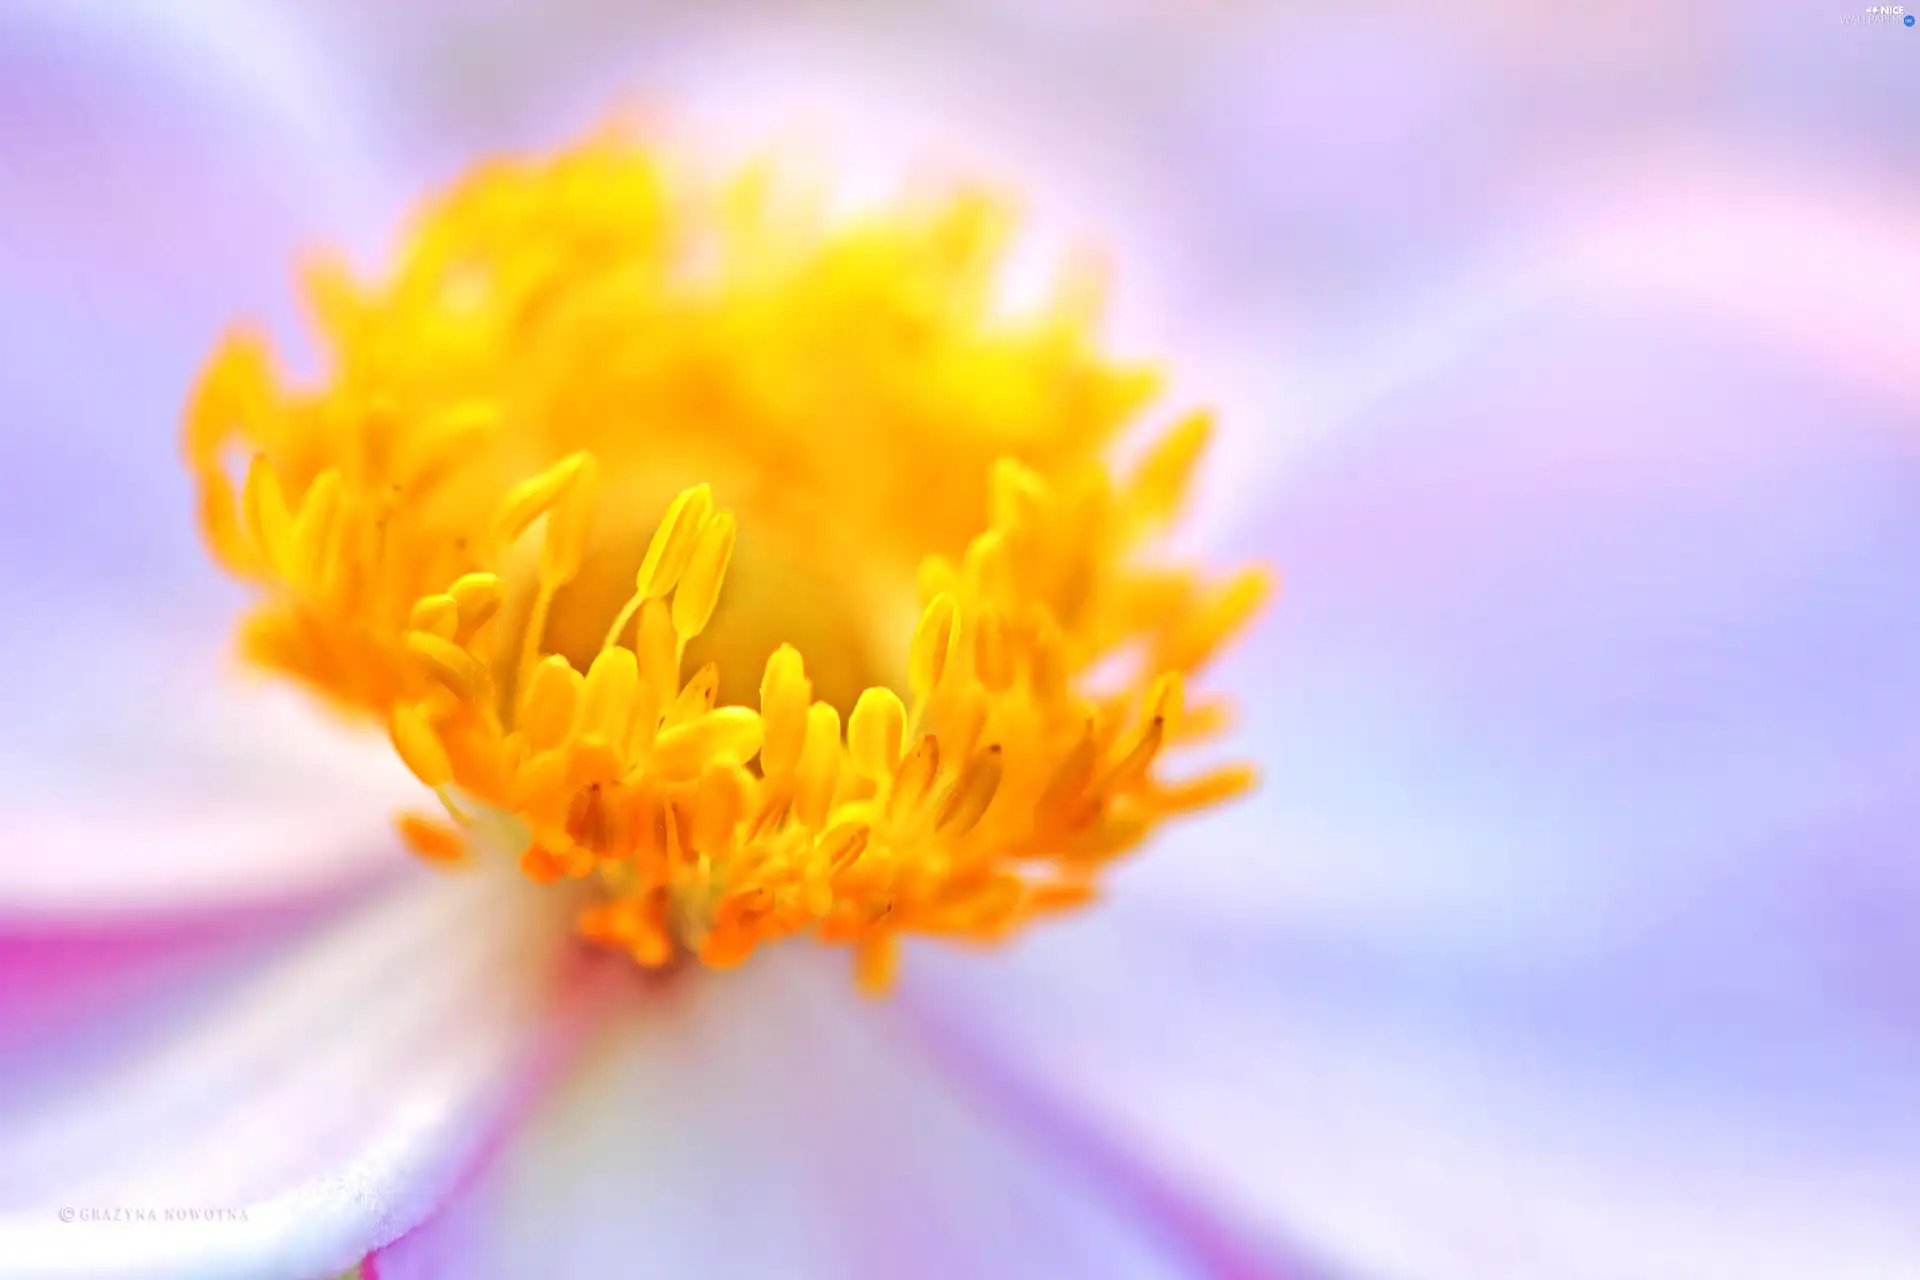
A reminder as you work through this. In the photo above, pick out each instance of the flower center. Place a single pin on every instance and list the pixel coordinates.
(495, 524)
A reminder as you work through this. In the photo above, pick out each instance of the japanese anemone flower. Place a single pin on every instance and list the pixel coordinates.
(1565, 937)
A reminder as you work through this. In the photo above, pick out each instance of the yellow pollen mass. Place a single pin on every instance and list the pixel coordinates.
(752, 568)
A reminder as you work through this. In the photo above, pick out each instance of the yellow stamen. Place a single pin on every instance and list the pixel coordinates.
(785, 694)
(876, 731)
(535, 496)
(519, 448)
(699, 588)
(672, 545)
(477, 597)
(419, 747)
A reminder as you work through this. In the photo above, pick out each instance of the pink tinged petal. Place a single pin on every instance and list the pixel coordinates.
(162, 165)
(330, 1099)
(71, 973)
(1572, 932)
(1820, 264)
(769, 1122)
(1818, 267)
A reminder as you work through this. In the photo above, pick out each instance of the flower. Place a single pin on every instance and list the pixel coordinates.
(451, 537)
(1567, 936)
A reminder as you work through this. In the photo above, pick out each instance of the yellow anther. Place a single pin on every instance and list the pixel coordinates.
(1070, 779)
(478, 596)
(1166, 699)
(785, 694)
(448, 663)
(1217, 787)
(593, 759)
(770, 815)
(220, 523)
(606, 704)
(819, 769)
(1164, 475)
(596, 823)
(658, 647)
(673, 543)
(967, 803)
(914, 778)
(438, 615)
(314, 530)
(419, 746)
(725, 735)
(535, 497)
(1132, 767)
(268, 519)
(934, 641)
(235, 387)
(696, 695)
(569, 521)
(875, 732)
(1205, 632)
(699, 587)
(842, 846)
(548, 706)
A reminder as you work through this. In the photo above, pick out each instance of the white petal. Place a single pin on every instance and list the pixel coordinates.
(1607, 596)
(1567, 936)
(1405, 1113)
(319, 1108)
(93, 974)
(142, 771)
(770, 1122)
(163, 164)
